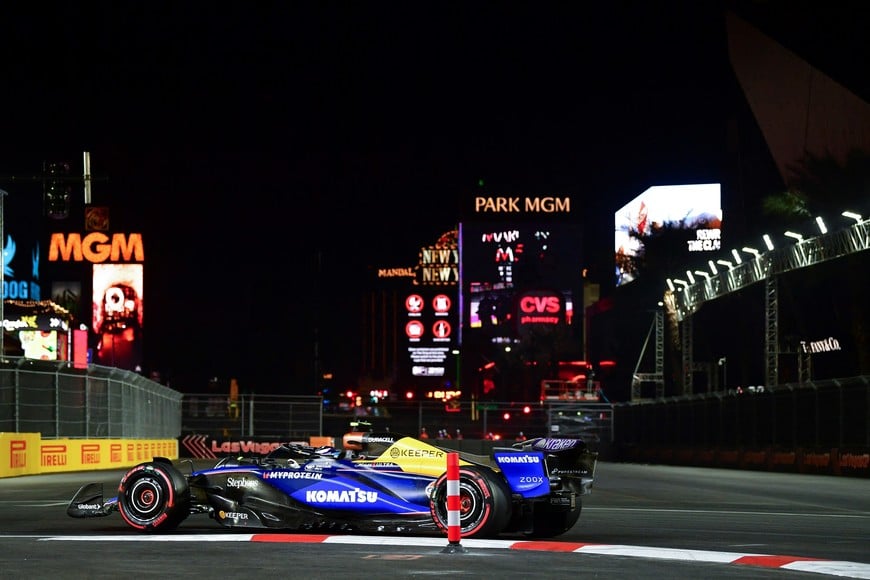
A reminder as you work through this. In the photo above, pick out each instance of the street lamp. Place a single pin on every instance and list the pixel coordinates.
(713, 267)
(852, 215)
(723, 362)
(752, 251)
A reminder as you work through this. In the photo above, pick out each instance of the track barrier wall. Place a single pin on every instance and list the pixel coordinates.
(820, 427)
(30, 454)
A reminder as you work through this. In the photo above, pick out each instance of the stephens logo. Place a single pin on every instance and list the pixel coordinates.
(241, 483)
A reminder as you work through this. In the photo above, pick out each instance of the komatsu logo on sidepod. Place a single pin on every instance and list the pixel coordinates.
(341, 496)
(518, 459)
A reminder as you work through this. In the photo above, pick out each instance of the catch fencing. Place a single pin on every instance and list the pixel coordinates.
(280, 417)
(300, 417)
(832, 413)
(59, 401)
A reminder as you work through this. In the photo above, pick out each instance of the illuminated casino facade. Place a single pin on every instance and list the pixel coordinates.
(73, 284)
(488, 309)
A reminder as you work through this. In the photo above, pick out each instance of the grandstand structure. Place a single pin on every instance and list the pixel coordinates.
(801, 111)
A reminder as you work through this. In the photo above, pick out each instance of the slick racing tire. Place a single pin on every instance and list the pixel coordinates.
(154, 497)
(484, 503)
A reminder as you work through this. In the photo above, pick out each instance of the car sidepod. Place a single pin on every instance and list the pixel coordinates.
(322, 494)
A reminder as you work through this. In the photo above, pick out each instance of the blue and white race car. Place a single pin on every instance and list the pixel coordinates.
(377, 482)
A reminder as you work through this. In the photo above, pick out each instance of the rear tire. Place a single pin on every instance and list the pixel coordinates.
(484, 499)
(154, 497)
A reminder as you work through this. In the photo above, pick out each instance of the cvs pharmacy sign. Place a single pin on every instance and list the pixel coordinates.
(540, 307)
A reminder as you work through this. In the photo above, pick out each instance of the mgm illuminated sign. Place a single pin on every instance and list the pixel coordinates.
(96, 247)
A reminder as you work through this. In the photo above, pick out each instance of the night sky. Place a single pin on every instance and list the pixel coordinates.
(271, 151)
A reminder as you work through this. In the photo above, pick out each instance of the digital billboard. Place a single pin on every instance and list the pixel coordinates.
(429, 314)
(42, 344)
(429, 328)
(503, 262)
(118, 314)
(695, 209)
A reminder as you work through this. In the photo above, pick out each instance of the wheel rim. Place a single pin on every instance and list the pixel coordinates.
(145, 498)
(470, 505)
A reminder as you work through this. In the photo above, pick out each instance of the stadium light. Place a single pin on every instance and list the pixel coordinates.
(736, 254)
(767, 241)
(682, 283)
(752, 251)
(821, 223)
(703, 273)
(671, 286)
(713, 267)
(852, 215)
(690, 276)
(796, 236)
(725, 263)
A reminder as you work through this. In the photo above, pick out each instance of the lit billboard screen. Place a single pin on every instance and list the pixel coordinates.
(42, 344)
(430, 330)
(501, 261)
(696, 209)
(117, 314)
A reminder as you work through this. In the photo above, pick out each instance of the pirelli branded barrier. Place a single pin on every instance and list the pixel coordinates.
(30, 454)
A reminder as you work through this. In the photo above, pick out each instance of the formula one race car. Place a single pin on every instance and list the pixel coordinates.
(378, 482)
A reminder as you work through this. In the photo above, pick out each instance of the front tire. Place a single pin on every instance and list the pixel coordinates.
(154, 497)
(484, 500)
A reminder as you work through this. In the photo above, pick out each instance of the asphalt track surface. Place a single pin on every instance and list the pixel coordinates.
(640, 521)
